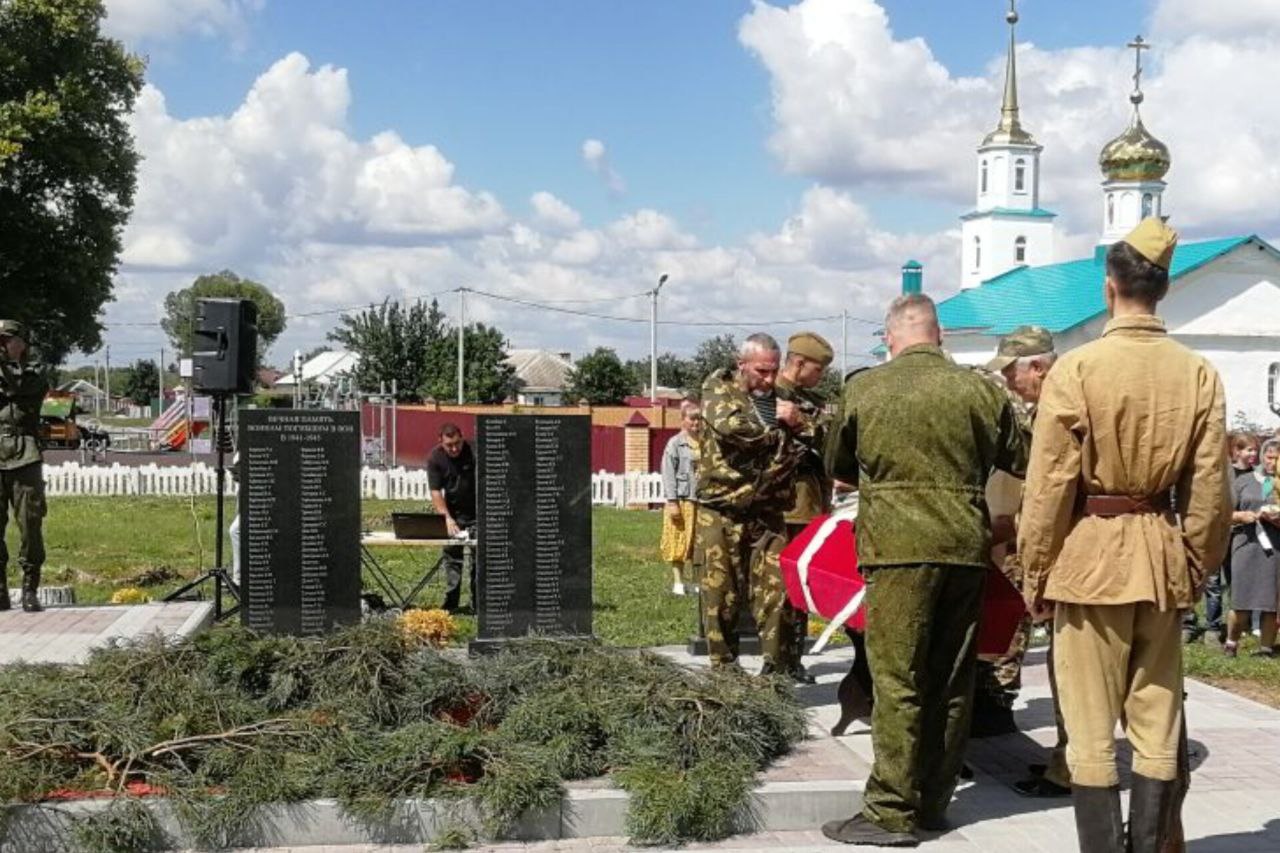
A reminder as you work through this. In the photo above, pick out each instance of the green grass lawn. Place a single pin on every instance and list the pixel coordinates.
(98, 545)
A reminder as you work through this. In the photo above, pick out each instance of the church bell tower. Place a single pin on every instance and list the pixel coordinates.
(1007, 227)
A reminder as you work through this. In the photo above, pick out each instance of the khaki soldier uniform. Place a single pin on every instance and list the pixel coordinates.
(745, 486)
(1125, 422)
(22, 390)
(919, 437)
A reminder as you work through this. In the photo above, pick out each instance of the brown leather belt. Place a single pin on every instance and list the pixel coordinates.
(1111, 506)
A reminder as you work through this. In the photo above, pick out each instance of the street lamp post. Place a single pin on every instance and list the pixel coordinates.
(653, 342)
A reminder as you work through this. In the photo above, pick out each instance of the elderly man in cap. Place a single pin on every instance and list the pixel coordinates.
(1022, 359)
(1127, 512)
(22, 390)
(808, 357)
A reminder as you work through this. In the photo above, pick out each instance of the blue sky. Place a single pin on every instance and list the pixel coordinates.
(508, 90)
(779, 160)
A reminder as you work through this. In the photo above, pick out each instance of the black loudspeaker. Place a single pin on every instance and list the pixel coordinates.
(225, 346)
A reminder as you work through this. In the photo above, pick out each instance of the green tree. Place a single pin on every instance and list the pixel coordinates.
(487, 376)
(394, 344)
(713, 354)
(601, 379)
(142, 382)
(673, 371)
(68, 167)
(179, 319)
(830, 385)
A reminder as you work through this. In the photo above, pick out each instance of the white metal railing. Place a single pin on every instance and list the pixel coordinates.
(410, 484)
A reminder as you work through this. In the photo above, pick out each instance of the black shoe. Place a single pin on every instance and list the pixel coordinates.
(1151, 804)
(1099, 824)
(1037, 769)
(800, 675)
(938, 823)
(1038, 786)
(966, 773)
(859, 830)
(31, 602)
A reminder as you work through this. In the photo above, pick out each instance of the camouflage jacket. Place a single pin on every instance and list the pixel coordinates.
(744, 466)
(22, 389)
(813, 484)
(919, 436)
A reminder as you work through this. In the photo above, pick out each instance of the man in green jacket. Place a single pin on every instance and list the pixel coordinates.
(22, 390)
(919, 436)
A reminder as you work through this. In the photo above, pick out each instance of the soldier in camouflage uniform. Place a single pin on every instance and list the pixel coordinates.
(749, 449)
(919, 436)
(1022, 359)
(22, 390)
(808, 357)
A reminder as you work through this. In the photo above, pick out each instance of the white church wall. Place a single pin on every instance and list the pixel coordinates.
(1242, 363)
(998, 236)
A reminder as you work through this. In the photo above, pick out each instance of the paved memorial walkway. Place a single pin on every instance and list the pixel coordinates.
(1233, 807)
(66, 634)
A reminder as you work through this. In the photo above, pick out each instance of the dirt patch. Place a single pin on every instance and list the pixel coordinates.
(1261, 692)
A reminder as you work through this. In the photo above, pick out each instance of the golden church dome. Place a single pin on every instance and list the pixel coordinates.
(1135, 155)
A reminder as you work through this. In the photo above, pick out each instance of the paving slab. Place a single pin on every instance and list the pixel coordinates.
(67, 634)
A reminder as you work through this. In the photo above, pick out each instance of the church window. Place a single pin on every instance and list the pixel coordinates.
(977, 252)
(984, 177)
(1020, 250)
(1020, 176)
(1147, 201)
(1111, 209)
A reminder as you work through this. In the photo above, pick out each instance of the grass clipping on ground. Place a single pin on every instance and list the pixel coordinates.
(371, 716)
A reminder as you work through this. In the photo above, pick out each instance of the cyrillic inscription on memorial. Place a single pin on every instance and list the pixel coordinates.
(534, 507)
(299, 519)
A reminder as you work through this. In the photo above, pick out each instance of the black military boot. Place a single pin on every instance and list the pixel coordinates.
(1099, 824)
(30, 598)
(1151, 804)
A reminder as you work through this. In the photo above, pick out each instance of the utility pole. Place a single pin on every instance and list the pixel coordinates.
(97, 388)
(108, 375)
(653, 341)
(462, 320)
(844, 342)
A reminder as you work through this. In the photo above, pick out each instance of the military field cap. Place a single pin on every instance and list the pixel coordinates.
(811, 345)
(1022, 342)
(1154, 240)
(12, 329)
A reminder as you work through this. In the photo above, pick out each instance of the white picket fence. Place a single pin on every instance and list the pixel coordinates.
(409, 484)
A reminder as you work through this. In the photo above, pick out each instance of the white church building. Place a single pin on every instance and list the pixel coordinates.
(1224, 294)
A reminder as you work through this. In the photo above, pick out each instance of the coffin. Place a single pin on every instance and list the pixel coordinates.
(820, 569)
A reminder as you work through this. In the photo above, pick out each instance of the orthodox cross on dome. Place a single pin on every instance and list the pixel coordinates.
(1139, 45)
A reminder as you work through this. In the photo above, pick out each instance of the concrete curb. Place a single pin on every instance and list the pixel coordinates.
(582, 813)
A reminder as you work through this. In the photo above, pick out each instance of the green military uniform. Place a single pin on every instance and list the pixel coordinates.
(745, 485)
(919, 437)
(22, 390)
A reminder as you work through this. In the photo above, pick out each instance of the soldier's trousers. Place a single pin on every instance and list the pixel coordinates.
(1114, 662)
(739, 558)
(22, 495)
(922, 641)
(1057, 771)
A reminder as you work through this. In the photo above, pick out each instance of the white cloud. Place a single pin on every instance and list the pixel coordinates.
(596, 159)
(553, 213)
(140, 20)
(856, 107)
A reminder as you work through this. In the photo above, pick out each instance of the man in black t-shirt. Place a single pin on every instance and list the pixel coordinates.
(451, 475)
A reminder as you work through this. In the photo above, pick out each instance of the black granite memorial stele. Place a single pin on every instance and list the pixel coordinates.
(533, 506)
(299, 520)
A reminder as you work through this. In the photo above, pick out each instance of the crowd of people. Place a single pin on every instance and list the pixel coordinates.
(1097, 481)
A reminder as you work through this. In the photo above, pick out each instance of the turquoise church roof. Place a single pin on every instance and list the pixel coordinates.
(1057, 296)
